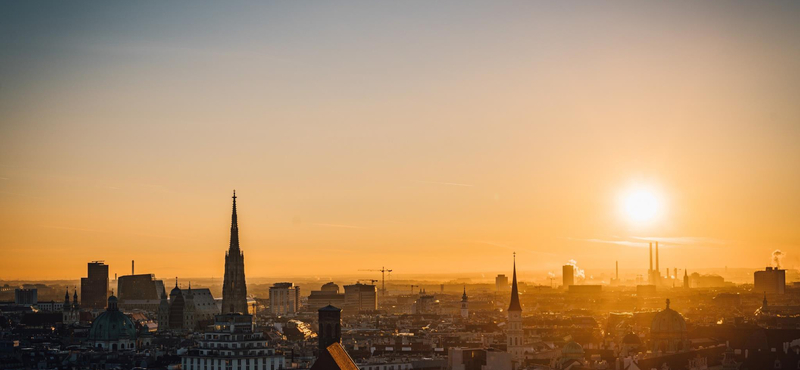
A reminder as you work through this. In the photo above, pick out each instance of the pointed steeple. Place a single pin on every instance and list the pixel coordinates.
(234, 228)
(514, 306)
(66, 299)
(464, 296)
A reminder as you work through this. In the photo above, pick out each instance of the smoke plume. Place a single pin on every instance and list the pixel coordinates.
(578, 272)
(777, 256)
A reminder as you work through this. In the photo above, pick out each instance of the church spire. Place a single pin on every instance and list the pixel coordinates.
(514, 306)
(234, 246)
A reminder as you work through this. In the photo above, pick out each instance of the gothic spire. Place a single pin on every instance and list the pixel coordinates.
(514, 306)
(234, 227)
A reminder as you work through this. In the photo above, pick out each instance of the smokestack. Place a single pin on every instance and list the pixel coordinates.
(657, 258)
(651, 256)
(131, 267)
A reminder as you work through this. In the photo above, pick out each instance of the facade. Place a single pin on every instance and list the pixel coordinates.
(70, 312)
(568, 275)
(514, 332)
(234, 288)
(112, 329)
(330, 326)
(186, 310)
(426, 304)
(26, 296)
(360, 297)
(94, 287)
(284, 299)
(501, 283)
(141, 291)
(770, 281)
(477, 359)
(232, 345)
(327, 295)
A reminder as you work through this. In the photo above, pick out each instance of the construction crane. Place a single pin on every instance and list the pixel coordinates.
(383, 271)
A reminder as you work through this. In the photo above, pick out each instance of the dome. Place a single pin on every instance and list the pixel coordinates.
(572, 351)
(668, 321)
(631, 340)
(112, 324)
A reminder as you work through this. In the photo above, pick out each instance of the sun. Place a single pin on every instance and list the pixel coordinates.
(641, 206)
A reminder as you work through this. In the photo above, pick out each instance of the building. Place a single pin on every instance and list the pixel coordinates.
(770, 281)
(426, 304)
(585, 289)
(686, 279)
(330, 326)
(501, 283)
(568, 275)
(477, 359)
(234, 288)
(284, 299)
(70, 312)
(668, 332)
(360, 297)
(94, 287)
(514, 332)
(27, 297)
(186, 310)
(232, 345)
(327, 295)
(464, 304)
(112, 329)
(141, 291)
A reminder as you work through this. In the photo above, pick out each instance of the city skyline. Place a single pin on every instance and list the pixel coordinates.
(433, 140)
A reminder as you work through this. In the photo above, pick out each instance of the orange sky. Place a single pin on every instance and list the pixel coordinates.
(427, 138)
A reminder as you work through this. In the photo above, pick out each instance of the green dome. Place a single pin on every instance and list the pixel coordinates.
(112, 325)
(572, 348)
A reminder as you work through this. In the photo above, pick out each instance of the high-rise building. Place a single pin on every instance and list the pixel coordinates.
(139, 291)
(234, 289)
(514, 332)
(284, 299)
(94, 287)
(360, 297)
(26, 296)
(770, 281)
(501, 283)
(568, 275)
(327, 295)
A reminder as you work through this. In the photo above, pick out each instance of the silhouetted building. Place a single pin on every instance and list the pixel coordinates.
(668, 332)
(360, 297)
(112, 329)
(186, 309)
(501, 283)
(330, 326)
(141, 291)
(464, 304)
(568, 275)
(234, 289)
(94, 287)
(26, 297)
(770, 281)
(322, 298)
(514, 332)
(71, 312)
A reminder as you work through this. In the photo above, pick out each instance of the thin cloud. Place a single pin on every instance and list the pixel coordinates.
(338, 225)
(642, 241)
(445, 183)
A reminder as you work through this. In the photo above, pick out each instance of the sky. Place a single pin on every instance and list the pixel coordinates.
(427, 137)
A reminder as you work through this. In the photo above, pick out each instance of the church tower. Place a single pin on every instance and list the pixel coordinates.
(685, 279)
(514, 325)
(330, 326)
(71, 311)
(189, 323)
(464, 308)
(163, 313)
(234, 290)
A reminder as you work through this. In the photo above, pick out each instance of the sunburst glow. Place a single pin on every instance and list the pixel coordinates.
(641, 206)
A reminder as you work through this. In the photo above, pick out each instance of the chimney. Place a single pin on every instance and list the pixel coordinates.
(131, 267)
(657, 257)
(651, 257)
